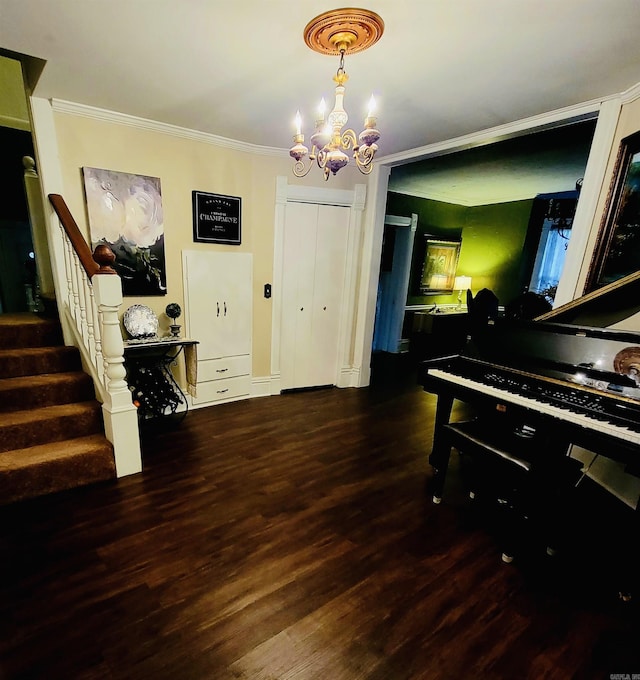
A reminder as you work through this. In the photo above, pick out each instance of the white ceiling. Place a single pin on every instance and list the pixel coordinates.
(239, 69)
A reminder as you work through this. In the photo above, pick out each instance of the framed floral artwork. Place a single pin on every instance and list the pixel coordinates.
(125, 213)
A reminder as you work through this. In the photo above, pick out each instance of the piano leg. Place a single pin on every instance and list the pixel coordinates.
(441, 451)
(630, 554)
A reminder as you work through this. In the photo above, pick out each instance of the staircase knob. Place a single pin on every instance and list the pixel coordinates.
(104, 256)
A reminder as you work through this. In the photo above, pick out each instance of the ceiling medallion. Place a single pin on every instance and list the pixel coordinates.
(356, 29)
(339, 32)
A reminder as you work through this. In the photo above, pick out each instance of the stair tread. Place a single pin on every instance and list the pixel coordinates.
(41, 379)
(20, 393)
(27, 329)
(26, 319)
(61, 450)
(20, 361)
(43, 350)
(11, 418)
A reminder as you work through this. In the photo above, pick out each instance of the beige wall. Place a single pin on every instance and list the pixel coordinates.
(184, 165)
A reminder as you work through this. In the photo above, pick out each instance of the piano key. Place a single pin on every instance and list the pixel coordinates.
(581, 419)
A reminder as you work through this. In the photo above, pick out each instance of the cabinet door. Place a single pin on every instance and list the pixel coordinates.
(218, 300)
(232, 291)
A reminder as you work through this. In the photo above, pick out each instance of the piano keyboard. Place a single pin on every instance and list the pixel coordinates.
(566, 413)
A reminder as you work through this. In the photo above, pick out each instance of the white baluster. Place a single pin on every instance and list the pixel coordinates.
(76, 276)
(89, 302)
(82, 301)
(69, 257)
(94, 332)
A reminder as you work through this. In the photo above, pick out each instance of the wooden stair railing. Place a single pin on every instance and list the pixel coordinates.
(97, 263)
(91, 303)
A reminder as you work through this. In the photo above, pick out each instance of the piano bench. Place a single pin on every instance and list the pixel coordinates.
(503, 461)
(482, 438)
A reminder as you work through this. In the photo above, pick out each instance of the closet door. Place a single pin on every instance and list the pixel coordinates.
(315, 243)
(297, 294)
(328, 289)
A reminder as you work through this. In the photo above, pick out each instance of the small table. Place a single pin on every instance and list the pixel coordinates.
(148, 363)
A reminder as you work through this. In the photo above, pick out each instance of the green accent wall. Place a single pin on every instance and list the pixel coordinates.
(14, 112)
(492, 240)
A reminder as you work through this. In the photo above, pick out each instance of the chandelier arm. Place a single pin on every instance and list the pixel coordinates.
(363, 157)
(348, 139)
(321, 158)
(365, 169)
(299, 170)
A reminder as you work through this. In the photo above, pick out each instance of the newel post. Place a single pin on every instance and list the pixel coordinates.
(120, 415)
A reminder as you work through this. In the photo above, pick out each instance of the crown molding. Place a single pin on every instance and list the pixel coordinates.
(15, 123)
(104, 115)
(631, 94)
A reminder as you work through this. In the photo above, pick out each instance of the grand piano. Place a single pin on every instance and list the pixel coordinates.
(572, 374)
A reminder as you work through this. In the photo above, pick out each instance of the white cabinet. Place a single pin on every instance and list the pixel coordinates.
(218, 301)
(313, 285)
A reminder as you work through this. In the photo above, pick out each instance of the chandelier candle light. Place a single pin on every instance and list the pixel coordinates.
(339, 32)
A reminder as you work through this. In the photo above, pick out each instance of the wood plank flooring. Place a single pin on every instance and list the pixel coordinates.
(292, 538)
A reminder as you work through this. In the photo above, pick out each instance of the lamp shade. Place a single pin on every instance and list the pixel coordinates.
(462, 283)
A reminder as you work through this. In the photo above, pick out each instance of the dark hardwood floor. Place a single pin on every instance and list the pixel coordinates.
(292, 537)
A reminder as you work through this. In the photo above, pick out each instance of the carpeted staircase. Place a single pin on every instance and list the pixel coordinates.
(51, 430)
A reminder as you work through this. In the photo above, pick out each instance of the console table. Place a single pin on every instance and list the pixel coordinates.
(149, 364)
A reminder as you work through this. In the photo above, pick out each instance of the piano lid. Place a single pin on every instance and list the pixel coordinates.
(614, 304)
(591, 341)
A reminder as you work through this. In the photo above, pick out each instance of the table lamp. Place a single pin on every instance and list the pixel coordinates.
(461, 283)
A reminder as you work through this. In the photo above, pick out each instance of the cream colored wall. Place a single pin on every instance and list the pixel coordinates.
(184, 165)
(14, 112)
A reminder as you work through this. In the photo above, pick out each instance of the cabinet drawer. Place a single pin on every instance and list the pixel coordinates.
(226, 367)
(228, 388)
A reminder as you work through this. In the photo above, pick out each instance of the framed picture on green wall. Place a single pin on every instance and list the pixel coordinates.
(439, 266)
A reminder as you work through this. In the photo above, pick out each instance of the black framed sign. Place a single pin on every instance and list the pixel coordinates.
(216, 218)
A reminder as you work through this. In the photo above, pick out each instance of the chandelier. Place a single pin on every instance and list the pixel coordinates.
(338, 32)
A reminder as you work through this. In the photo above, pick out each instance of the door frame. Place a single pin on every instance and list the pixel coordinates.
(393, 299)
(348, 374)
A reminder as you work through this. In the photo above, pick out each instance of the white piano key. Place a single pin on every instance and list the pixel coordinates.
(566, 414)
